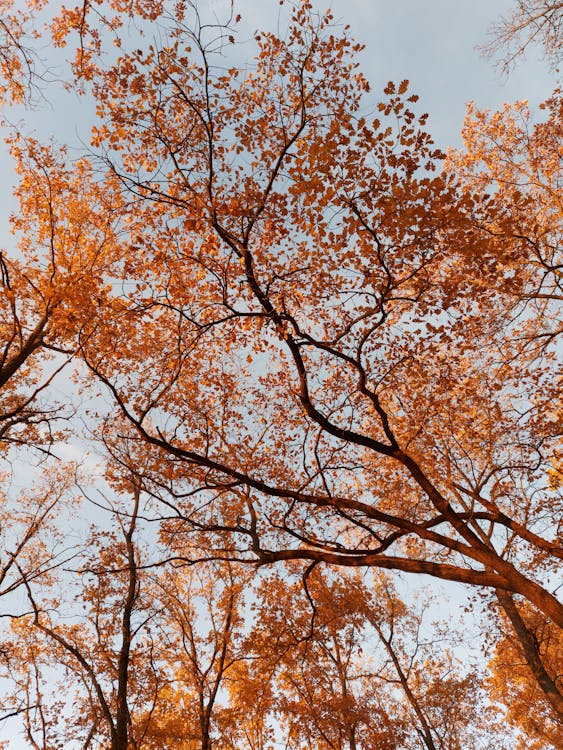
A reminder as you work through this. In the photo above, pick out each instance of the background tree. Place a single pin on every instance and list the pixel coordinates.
(515, 163)
(32, 548)
(142, 655)
(201, 628)
(17, 58)
(65, 226)
(328, 692)
(354, 667)
(530, 22)
(103, 652)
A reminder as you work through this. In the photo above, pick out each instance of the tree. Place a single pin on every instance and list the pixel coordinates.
(16, 56)
(514, 162)
(327, 347)
(32, 548)
(141, 654)
(325, 697)
(385, 425)
(103, 672)
(354, 667)
(57, 261)
(201, 628)
(530, 22)
(517, 164)
(514, 685)
(65, 228)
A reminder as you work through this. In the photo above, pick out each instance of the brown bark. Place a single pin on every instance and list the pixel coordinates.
(531, 653)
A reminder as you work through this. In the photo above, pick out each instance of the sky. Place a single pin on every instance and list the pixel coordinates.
(432, 43)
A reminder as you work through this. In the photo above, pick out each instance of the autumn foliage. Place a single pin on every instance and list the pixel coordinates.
(319, 353)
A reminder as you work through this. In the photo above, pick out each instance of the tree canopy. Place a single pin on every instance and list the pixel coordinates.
(321, 353)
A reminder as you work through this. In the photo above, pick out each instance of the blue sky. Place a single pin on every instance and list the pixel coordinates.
(433, 44)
